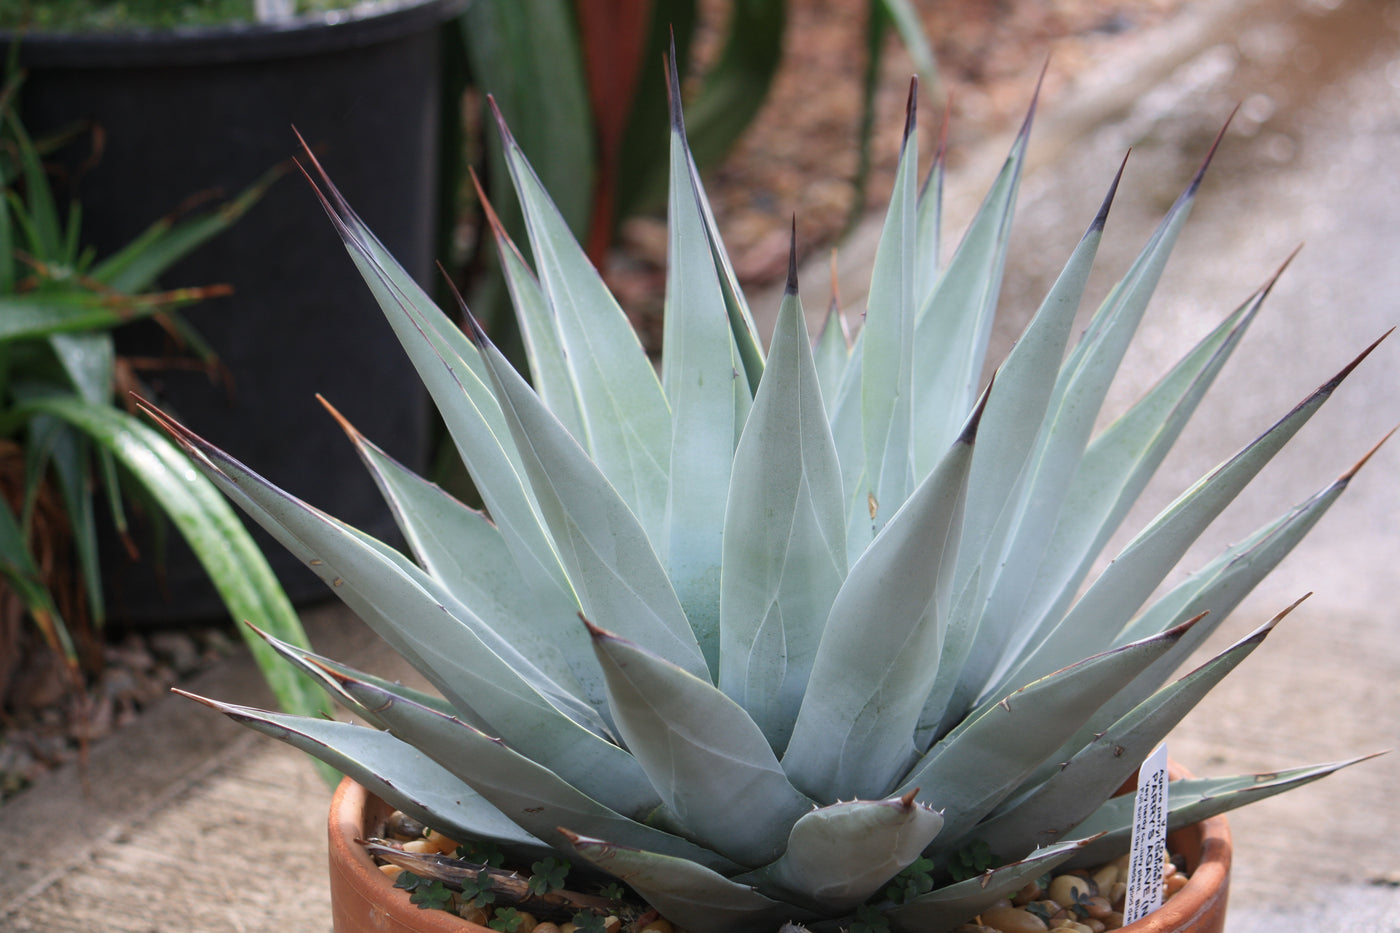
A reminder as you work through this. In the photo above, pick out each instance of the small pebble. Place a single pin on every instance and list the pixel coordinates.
(1067, 890)
(403, 826)
(1013, 920)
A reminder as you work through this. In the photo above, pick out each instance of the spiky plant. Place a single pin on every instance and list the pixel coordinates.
(830, 623)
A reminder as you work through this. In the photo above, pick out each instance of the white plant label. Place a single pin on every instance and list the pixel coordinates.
(1148, 855)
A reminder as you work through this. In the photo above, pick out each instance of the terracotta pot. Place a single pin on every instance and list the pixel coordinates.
(364, 900)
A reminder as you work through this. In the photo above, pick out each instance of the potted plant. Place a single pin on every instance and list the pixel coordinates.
(783, 637)
(209, 106)
(70, 446)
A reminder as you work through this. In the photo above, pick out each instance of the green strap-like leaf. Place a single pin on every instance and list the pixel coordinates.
(39, 314)
(709, 398)
(230, 558)
(946, 907)
(977, 765)
(392, 770)
(1192, 800)
(614, 571)
(139, 264)
(22, 575)
(626, 421)
(878, 655)
(887, 349)
(709, 761)
(785, 526)
(840, 855)
(688, 894)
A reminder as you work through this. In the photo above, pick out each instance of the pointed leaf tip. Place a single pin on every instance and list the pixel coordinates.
(1025, 130)
(1356, 468)
(474, 331)
(791, 288)
(594, 631)
(1210, 154)
(974, 420)
(1175, 632)
(911, 108)
(1102, 217)
(673, 87)
(1346, 370)
(350, 430)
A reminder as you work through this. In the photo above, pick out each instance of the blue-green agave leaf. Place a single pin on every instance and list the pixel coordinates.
(701, 374)
(686, 893)
(869, 681)
(1212, 593)
(1078, 395)
(1220, 586)
(1130, 578)
(455, 377)
(1115, 469)
(708, 760)
(840, 855)
(626, 420)
(887, 349)
(741, 322)
(928, 227)
(610, 562)
(785, 526)
(977, 765)
(230, 558)
(954, 324)
(1016, 408)
(393, 771)
(329, 673)
(529, 794)
(461, 549)
(832, 354)
(946, 907)
(1068, 792)
(1191, 800)
(549, 373)
(489, 683)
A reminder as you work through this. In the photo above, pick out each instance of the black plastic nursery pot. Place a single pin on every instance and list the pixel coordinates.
(190, 111)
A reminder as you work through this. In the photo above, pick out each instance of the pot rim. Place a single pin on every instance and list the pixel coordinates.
(366, 23)
(1206, 844)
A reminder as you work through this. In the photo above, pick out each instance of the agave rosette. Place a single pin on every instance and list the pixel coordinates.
(834, 606)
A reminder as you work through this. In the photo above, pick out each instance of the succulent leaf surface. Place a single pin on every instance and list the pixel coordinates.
(838, 614)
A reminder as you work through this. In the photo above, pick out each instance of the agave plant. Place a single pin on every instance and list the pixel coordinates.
(835, 617)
